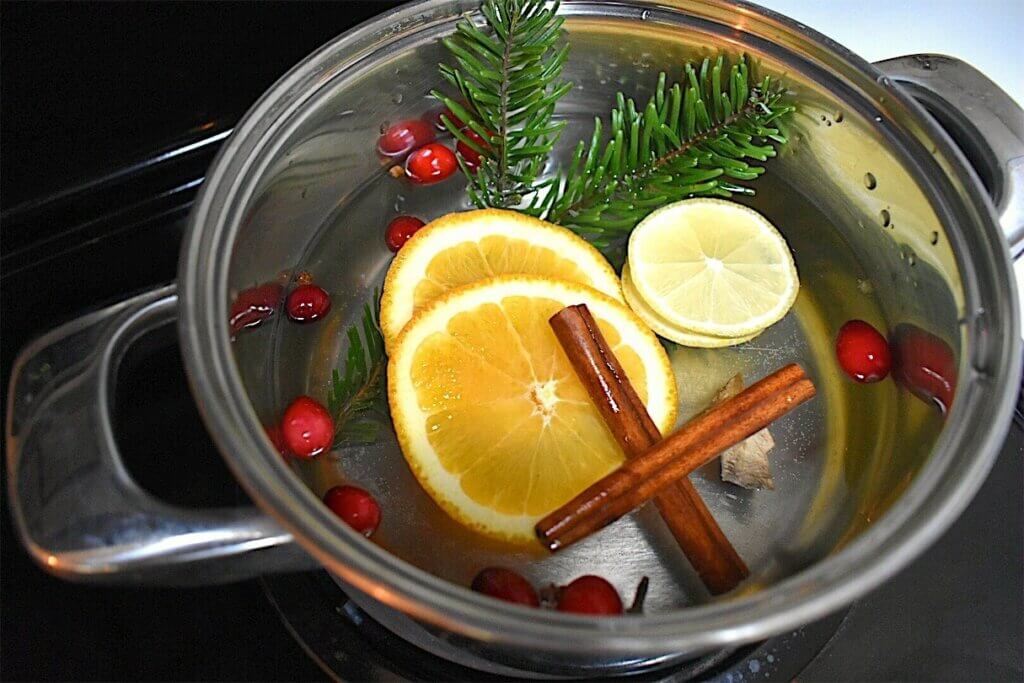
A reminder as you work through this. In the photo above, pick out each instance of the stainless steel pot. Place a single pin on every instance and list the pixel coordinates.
(924, 145)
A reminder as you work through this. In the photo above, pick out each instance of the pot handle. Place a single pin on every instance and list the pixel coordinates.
(985, 123)
(76, 508)
(982, 119)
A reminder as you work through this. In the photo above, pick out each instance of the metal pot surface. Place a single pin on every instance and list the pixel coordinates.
(891, 215)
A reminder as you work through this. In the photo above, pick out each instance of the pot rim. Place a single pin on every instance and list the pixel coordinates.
(960, 461)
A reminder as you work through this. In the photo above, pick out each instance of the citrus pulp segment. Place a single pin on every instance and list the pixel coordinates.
(490, 414)
(462, 248)
(712, 266)
(666, 329)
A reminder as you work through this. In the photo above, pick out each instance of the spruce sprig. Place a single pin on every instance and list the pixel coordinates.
(693, 139)
(353, 398)
(507, 77)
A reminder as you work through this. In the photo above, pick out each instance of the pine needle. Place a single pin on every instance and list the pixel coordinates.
(356, 395)
(695, 139)
(507, 80)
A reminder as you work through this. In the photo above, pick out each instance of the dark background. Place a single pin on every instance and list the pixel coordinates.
(89, 87)
(89, 92)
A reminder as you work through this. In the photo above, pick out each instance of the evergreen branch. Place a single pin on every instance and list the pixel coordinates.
(693, 139)
(353, 397)
(508, 80)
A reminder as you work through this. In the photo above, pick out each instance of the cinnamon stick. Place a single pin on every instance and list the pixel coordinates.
(715, 560)
(697, 443)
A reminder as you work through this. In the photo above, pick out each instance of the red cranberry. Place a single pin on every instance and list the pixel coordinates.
(863, 352)
(434, 117)
(254, 305)
(405, 136)
(356, 507)
(468, 154)
(431, 164)
(590, 595)
(307, 303)
(307, 427)
(505, 584)
(925, 365)
(400, 230)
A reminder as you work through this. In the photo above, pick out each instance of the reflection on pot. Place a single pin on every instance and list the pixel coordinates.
(924, 364)
(254, 305)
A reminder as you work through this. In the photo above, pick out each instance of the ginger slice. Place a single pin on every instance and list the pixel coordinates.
(746, 463)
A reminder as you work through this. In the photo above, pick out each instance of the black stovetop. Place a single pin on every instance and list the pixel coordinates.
(108, 116)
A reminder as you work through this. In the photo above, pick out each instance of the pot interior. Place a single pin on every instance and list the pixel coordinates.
(867, 240)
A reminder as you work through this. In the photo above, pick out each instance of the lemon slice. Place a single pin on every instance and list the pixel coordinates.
(667, 329)
(490, 415)
(462, 248)
(714, 267)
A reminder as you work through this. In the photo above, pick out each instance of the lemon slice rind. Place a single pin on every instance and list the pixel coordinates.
(674, 274)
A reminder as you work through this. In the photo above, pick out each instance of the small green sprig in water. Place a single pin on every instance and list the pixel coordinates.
(694, 139)
(355, 397)
(507, 77)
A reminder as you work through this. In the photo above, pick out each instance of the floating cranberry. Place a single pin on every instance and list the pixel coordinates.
(863, 352)
(431, 164)
(590, 595)
(468, 154)
(356, 507)
(505, 584)
(254, 305)
(434, 117)
(400, 230)
(925, 365)
(403, 137)
(307, 428)
(307, 303)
